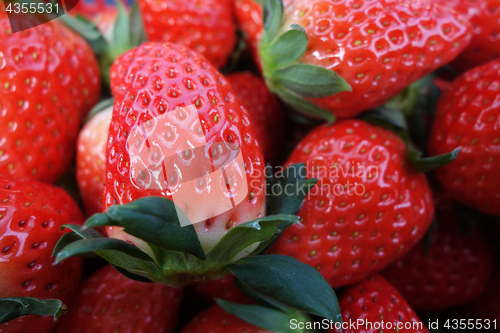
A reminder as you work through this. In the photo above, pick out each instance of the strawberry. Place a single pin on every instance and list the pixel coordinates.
(169, 83)
(31, 214)
(369, 207)
(49, 81)
(91, 160)
(184, 193)
(223, 288)
(264, 108)
(467, 116)
(485, 19)
(454, 271)
(377, 47)
(110, 302)
(216, 320)
(375, 302)
(205, 26)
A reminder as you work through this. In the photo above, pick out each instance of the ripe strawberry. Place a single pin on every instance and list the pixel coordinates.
(111, 302)
(91, 160)
(223, 288)
(264, 108)
(163, 85)
(454, 271)
(375, 301)
(49, 81)
(369, 207)
(467, 116)
(485, 19)
(378, 47)
(216, 320)
(205, 26)
(31, 214)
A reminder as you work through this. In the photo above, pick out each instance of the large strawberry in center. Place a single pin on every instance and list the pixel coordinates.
(178, 131)
(184, 198)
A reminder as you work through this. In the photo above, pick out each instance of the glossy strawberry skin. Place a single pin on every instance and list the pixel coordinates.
(265, 110)
(485, 19)
(368, 208)
(467, 116)
(111, 302)
(205, 26)
(453, 272)
(223, 288)
(31, 214)
(150, 82)
(49, 81)
(91, 160)
(379, 47)
(216, 320)
(375, 300)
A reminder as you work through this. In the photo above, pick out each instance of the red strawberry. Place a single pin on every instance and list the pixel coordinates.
(369, 207)
(169, 87)
(454, 271)
(49, 80)
(31, 214)
(467, 116)
(264, 108)
(485, 19)
(111, 302)
(376, 302)
(378, 47)
(205, 26)
(223, 288)
(216, 320)
(91, 160)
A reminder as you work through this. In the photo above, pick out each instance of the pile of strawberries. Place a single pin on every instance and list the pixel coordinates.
(390, 109)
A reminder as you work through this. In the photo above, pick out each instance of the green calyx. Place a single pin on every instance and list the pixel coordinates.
(395, 121)
(172, 254)
(269, 313)
(15, 307)
(294, 82)
(128, 32)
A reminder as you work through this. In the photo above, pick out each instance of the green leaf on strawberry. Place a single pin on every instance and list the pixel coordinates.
(267, 318)
(288, 281)
(154, 220)
(293, 81)
(426, 164)
(174, 256)
(15, 307)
